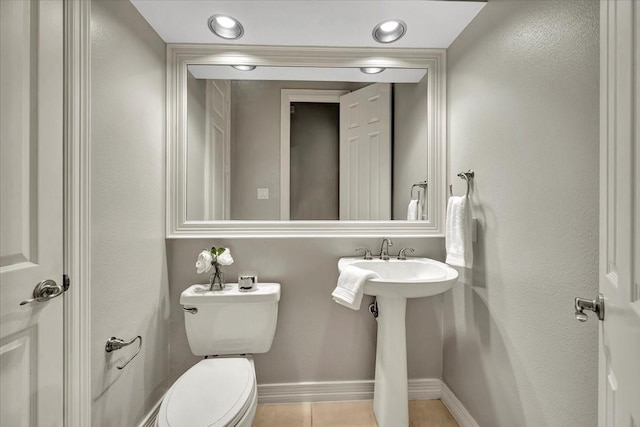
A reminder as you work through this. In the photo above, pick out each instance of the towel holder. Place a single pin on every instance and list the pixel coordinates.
(422, 204)
(421, 184)
(114, 344)
(467, 176)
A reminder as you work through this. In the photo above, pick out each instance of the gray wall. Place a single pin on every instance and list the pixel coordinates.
(129, 285)
(410, 135)
(316, 339)
(523, 113)
(255, 144)
(315, 161)
(196, 146)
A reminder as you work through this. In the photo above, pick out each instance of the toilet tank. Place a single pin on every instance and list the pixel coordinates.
(229, 321)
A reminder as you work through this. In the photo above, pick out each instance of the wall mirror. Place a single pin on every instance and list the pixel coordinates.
(281, 141)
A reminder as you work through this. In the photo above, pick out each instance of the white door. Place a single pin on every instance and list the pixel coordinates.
(31, 114)
(619, 357)
(365, 153)
(217, 156)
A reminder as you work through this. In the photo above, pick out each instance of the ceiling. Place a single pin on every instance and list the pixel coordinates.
(331, 23)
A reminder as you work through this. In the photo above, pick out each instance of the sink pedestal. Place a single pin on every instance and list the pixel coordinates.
(391, 393)
(397, 280)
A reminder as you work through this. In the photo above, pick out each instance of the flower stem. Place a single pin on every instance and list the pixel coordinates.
(216, 279)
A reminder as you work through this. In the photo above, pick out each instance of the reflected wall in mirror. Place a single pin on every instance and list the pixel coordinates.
(245, 160)
(268, 144)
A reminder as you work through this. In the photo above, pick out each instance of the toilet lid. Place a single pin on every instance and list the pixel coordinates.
(213, 393)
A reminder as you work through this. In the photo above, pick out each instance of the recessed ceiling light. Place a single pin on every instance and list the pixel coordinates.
(225, 26)
(389, 26)
(389, 31)
(372, 70)
(244, 67)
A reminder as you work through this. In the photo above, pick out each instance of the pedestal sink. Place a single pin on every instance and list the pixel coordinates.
(399, 280)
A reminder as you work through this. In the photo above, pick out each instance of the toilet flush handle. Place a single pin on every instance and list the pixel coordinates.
(192, 310)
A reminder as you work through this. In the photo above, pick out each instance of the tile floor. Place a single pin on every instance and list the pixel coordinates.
(422, 413)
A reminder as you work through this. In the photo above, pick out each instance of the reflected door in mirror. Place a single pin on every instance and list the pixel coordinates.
(365, 153)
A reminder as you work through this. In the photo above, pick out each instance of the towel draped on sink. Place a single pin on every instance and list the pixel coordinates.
(350, 286)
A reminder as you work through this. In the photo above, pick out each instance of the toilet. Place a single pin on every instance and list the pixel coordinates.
(225, 327)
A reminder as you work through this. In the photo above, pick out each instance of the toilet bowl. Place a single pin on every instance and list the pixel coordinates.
(221, 391)
(216, 392)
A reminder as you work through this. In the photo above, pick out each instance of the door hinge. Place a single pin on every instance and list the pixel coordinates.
(66, 282)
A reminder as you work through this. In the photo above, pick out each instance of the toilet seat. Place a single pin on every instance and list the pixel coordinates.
(215, 392)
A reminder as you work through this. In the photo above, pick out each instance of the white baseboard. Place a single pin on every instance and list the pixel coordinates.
(457, 409)
(325, 391)
(149, 420)
(424, 389)
(334, 391)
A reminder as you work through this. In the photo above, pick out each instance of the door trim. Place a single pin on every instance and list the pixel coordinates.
(77, 213)
(287, 96)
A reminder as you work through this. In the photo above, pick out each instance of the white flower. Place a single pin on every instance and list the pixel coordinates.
(203, 264)
(225, 257)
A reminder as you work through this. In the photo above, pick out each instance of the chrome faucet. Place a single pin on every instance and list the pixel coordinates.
(384, 249)
(402, 255)
(367, 253)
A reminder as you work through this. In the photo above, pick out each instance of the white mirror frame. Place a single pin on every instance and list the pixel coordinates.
(179, 56)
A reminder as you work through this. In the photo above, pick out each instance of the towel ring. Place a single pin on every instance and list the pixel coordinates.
(114, 344)
(422, 184)
(467, 176)
(422, 204)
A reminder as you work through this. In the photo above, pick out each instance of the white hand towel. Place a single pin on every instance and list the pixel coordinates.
(458, 239)
(412, 210)
(351, 286)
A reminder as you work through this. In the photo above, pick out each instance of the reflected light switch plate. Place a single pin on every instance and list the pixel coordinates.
(263, 193)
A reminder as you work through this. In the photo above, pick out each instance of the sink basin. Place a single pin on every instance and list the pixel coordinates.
(410, 278)
(399, 280)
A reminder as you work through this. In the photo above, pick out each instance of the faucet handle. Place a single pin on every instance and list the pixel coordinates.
(402, 254)
(367, 253)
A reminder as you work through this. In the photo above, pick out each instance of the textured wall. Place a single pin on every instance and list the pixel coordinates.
(129, 285)
(523, 113)
(316, 339)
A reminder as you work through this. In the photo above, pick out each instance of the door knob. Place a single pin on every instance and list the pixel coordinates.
(596, 305)
(44, 291)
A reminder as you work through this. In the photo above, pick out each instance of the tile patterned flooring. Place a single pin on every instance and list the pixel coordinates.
(422, 413)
